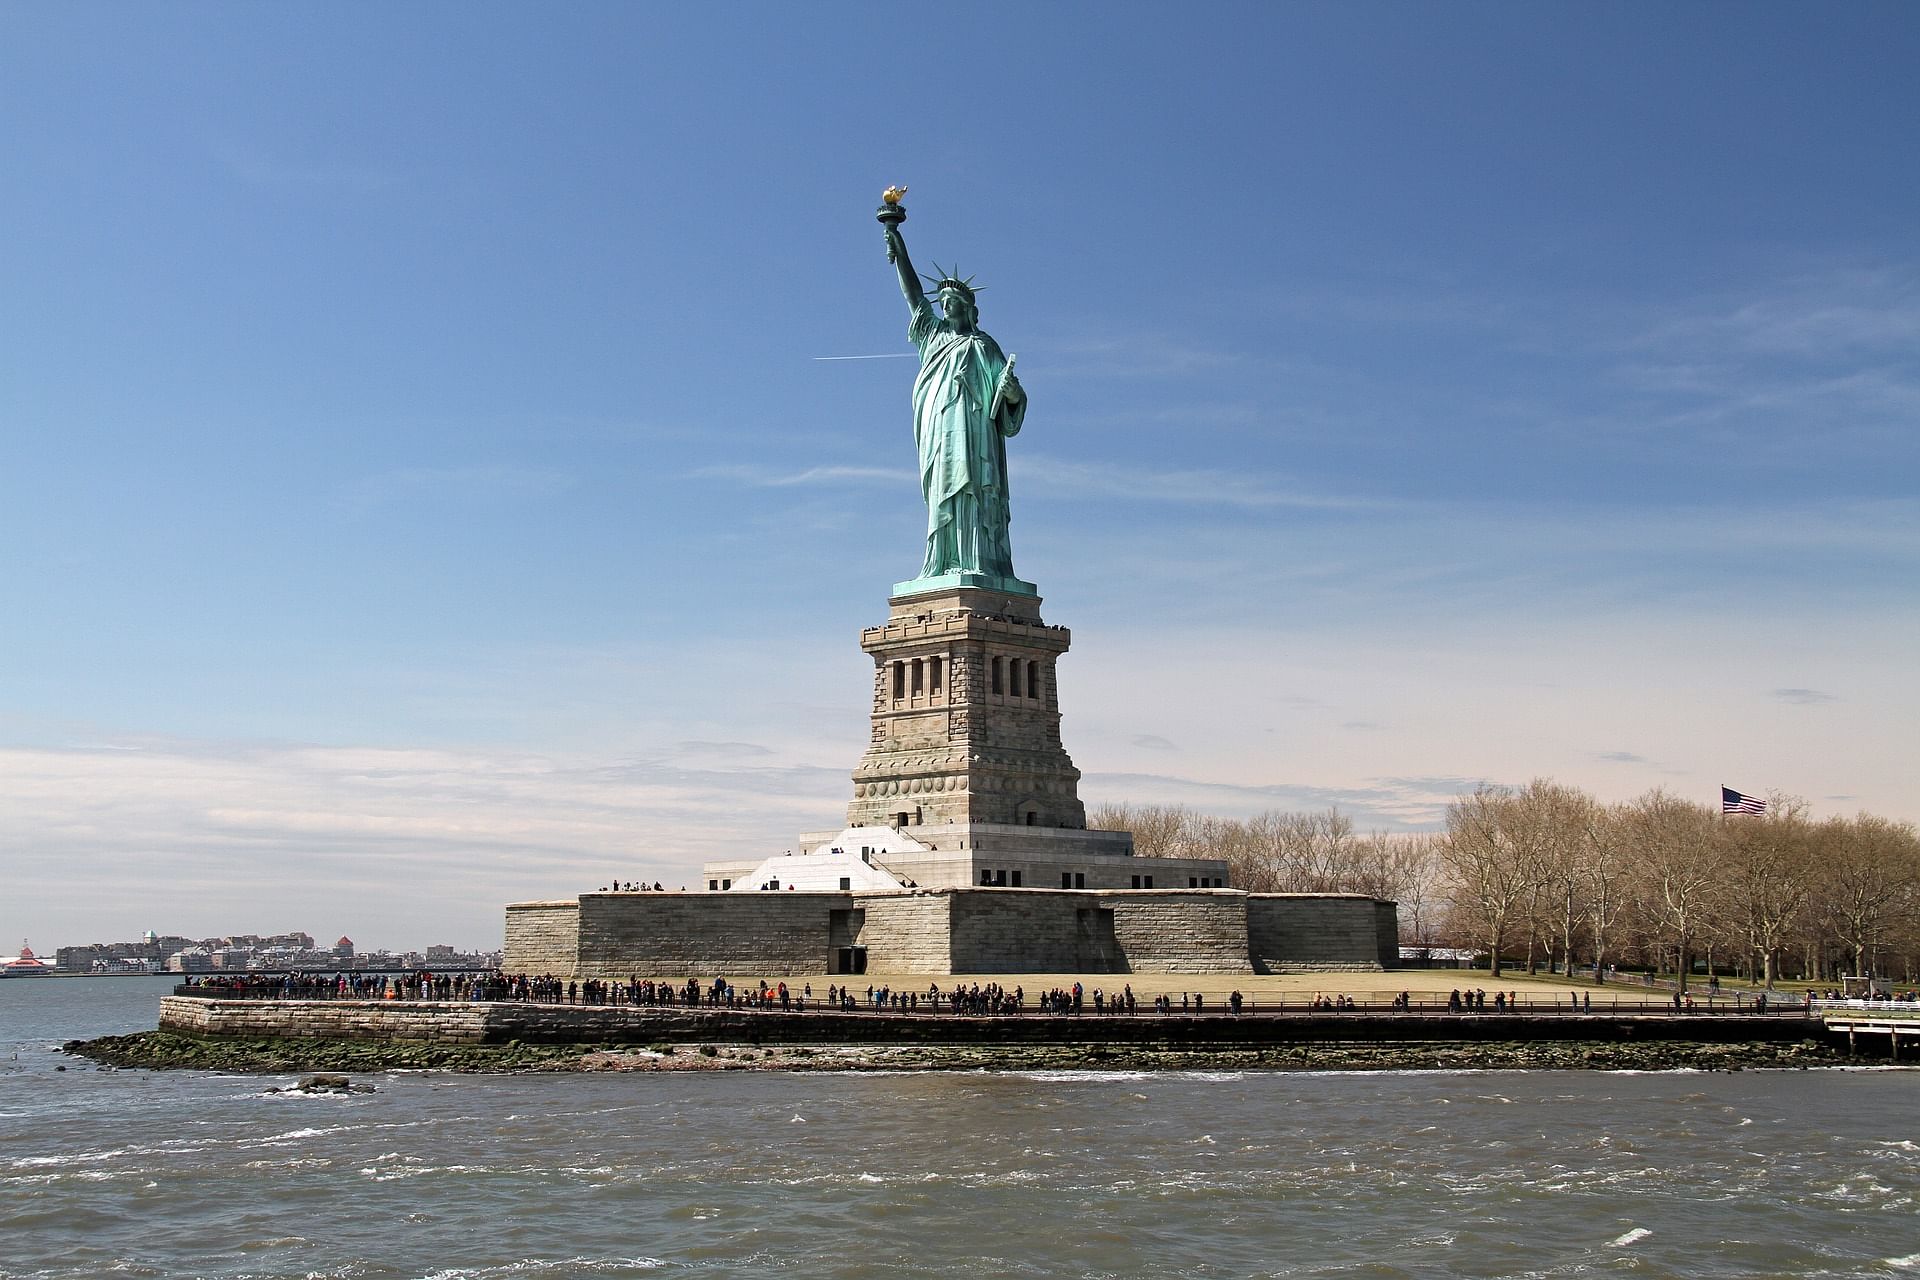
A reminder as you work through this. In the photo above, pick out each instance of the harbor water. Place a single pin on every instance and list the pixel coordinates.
(1379, 1174)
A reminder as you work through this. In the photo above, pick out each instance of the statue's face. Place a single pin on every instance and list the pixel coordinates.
(958, 309)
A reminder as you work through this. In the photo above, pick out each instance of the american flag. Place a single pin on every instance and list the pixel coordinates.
(1732, 801)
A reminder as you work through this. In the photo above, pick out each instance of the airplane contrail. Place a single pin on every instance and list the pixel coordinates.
(886, 355)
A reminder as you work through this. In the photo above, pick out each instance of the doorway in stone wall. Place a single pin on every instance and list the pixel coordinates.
(850, 960)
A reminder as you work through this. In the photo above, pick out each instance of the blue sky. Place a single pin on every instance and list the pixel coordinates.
(421, 489)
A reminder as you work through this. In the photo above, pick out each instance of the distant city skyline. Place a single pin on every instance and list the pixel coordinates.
(424, 487)
(296, 949)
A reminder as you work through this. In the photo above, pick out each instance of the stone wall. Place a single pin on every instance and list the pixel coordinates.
(543, 937)
(450, 1023)
(907, 933)
(1386, 930)
(624, 935)
(1314, 931)
(943, 931)
(1000, 931)
(1198, 931)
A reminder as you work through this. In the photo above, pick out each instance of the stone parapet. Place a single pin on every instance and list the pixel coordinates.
(447, 1023)
(906, 933)
(625, 935)
(1320, 931)
(542, 937)
(950, 930)
(1203, 931)
(1031, 932)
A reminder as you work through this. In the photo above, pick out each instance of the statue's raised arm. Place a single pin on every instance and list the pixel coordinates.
(891, 214)
(910, 284)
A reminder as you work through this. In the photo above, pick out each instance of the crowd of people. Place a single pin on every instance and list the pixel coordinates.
(991, 1000)
(1878, 993)
(475, 985)
(1474, 1000)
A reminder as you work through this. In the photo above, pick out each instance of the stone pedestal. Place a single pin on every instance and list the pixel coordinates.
(966, 715)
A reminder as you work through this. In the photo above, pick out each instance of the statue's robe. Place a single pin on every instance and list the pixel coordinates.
(963, 449)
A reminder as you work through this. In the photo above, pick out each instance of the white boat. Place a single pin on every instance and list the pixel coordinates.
(24, 965)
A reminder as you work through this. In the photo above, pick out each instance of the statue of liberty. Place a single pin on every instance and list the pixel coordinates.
(966, 402)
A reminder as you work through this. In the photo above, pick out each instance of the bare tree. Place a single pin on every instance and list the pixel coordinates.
(1675, 848)
(1417, 882)
(1869, 868)
(1159, 830)
(1546, 818)
(1562, 859)
(1769, 868)
(1311, 852)
(1649, 879)
(1605, 871)
(1489, 860)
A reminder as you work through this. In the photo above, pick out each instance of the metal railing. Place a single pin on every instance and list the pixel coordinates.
(1863, 1004)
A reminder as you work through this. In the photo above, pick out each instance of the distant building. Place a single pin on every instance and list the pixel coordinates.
(24, 965)
(79, 959)
(254, 953)
(1442, 958)
(195, 959)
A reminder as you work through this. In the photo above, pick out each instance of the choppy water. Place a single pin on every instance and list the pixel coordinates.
(1412, 1174)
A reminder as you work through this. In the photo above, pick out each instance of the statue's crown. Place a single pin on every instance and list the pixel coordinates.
(951, 279)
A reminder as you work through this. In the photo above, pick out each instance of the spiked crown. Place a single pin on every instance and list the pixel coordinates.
(950, 278)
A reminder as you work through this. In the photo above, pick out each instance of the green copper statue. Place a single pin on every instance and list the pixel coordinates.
(966, 402)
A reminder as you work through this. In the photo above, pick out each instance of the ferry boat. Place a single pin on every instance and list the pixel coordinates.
(24, 965)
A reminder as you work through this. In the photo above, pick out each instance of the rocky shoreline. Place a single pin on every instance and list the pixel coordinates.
(163, 1050)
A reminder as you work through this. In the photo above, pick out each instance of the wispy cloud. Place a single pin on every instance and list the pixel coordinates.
(1153, 742)
(1804, 697)
(1816, 315)
(1642, 764)
(694, 747)
(1389, 804)
(1300, 702)
(1832, 355)
(766, 478)
(1059, 477)
(1494, 557)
